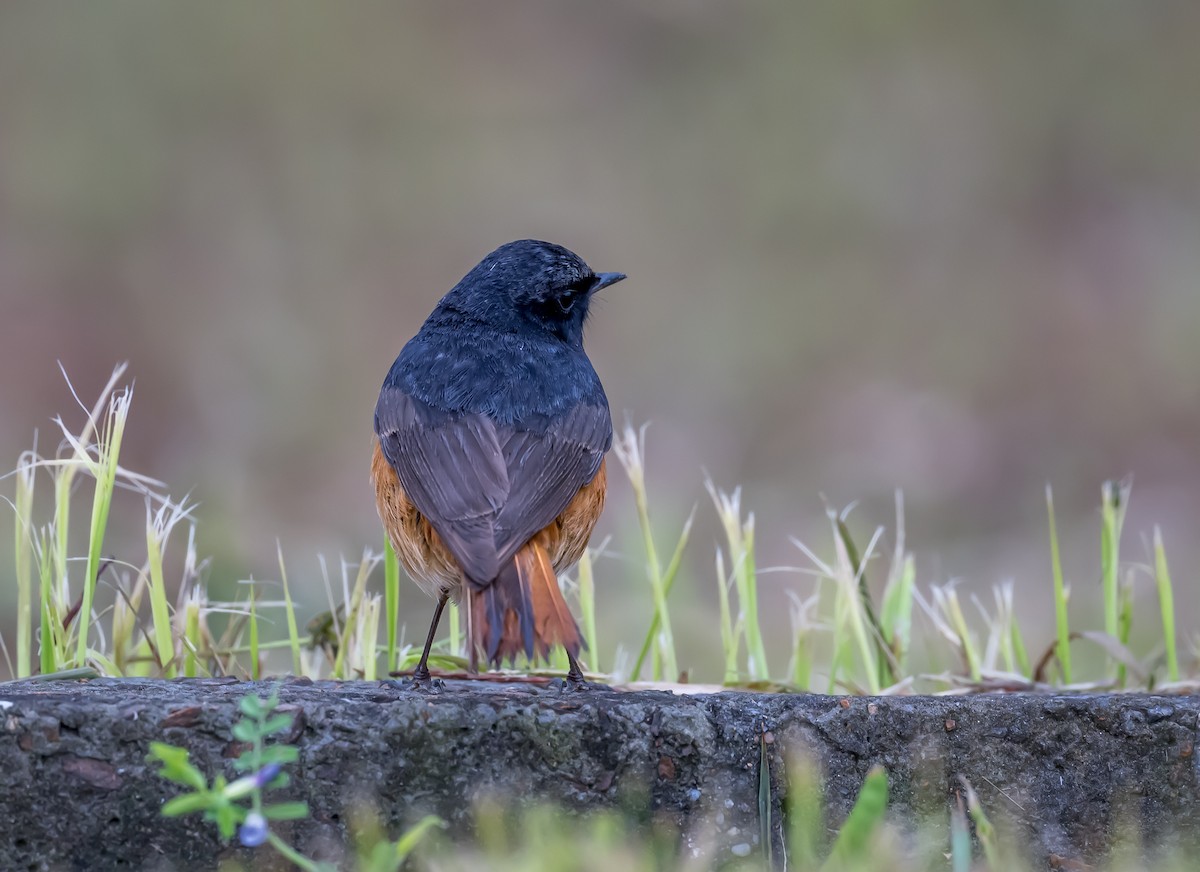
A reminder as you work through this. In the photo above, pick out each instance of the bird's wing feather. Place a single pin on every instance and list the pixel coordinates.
(547, 466)
(452, 469)
(487, 488)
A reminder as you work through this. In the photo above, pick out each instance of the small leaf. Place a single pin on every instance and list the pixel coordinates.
(175, 765)
(186, 803)
(252, 707)
(286, 811)
(227, 818)
(280, 754)
(245, 731)
(167, 753)
(281, 780)
(276, 724)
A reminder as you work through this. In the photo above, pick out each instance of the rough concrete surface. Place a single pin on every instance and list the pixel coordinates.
(77, 793)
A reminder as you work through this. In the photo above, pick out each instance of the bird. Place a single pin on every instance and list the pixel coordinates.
(491, 431)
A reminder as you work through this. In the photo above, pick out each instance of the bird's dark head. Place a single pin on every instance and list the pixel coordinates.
(533, 283)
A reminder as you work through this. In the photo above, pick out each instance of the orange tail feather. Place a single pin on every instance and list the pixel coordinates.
(523, 610)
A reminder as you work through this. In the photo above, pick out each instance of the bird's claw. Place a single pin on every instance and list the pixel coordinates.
(417, 684)
(428, 684)
(576, 684)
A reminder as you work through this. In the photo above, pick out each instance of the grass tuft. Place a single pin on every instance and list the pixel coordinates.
(1166, 600)
(1062, 624)
(630, 449)
(843, 637)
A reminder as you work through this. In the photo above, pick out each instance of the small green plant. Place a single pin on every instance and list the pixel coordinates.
(237, 806)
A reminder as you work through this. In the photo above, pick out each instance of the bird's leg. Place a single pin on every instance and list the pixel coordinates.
(421, 673)
(575, 679)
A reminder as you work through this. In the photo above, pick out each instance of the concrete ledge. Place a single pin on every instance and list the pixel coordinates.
(1064, 771)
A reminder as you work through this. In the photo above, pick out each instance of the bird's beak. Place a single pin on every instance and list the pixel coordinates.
(603, 280)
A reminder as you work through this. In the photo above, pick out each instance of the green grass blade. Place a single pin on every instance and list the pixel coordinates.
(630, 449)
(1166, 601)
(83, 674)
(729, 641)
(960, 839)
(23, 561)
(948, 599)
(882, 668)
(856, 835)
(293, 628)
(391, 600)
(368, 635)
(1124, 621)
(1016, 643)
(765, 822)
(805, 812)
(587, 607)
(255, 662)
(408, 842)
(191, 636)
(985, 831)
(108, 667)
(63, 482)
(739, 535)
(896, 612)
(454, 633)
(1063, 647)
(557, 661)
(365, 566)
(50, 653)
(842, 643)
(747, 575)
(1114, 499)
(291, 854)
(851, 620)
(108, 450)
(667, 584)
(801, 671)
(157, 529)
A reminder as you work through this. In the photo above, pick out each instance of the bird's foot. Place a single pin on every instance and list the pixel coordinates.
(418, 682)
(576, 683)
(425, 685)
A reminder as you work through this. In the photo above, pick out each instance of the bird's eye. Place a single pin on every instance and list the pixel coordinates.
(566, 300)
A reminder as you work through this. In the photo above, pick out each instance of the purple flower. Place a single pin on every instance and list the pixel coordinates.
(266, 775)
(254, 831)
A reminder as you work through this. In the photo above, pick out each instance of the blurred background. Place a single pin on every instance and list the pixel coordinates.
(949, 249)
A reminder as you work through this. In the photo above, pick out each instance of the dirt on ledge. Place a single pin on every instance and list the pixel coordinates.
(1065, 772)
